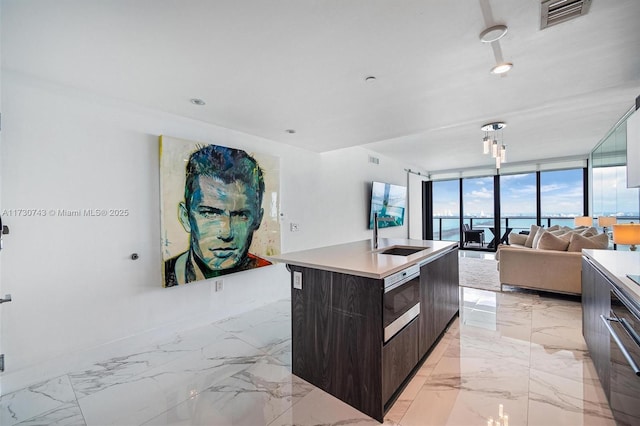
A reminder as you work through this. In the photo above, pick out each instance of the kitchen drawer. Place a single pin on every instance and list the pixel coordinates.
(399, 357)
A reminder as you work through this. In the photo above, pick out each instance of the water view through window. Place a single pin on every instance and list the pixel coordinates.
(477, 196)
(518, 202)
(446, 210)
(561, 195)
(611, 197)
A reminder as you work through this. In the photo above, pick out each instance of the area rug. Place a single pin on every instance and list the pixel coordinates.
(479, 273)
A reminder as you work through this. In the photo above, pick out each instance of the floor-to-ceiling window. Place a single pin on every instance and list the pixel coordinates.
(477, 200)
(547, 197)
(561, 196)
(518, 202)
(610, 196)
(446, 210)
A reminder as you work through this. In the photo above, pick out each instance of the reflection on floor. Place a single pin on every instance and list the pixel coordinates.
(519, 356)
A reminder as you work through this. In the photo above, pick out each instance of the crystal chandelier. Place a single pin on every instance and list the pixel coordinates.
(491, 144)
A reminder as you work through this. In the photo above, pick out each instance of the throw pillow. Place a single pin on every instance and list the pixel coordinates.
(517, 239)
(553, 228)
(536, 239)
(566, 236)
(589, 232)
(579, 242)
(532, 234)
(548, 241)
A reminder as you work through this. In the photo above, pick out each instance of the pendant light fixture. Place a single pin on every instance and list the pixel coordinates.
(492, 144)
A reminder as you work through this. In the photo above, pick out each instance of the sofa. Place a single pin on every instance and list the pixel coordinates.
(547, 259)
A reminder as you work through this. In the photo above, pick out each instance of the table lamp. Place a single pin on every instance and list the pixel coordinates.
(627, 233)
(606, 222)
(583, 221)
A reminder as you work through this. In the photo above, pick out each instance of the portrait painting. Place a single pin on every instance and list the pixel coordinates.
(219, 210)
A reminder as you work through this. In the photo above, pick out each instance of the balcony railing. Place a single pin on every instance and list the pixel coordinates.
(447, 228)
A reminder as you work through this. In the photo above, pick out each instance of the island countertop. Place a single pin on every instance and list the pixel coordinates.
(359, 258)
(616, 265)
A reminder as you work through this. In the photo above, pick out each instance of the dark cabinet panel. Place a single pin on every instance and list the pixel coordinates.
(337, 332)
(400, 356)
(624, 386)
(311, 328)
(595, 302)
(439, 298)
(337, 336)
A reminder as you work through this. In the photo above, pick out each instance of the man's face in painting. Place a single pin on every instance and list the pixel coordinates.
(221, 218)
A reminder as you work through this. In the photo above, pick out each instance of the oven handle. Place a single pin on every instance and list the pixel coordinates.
(404, 319)
(623, 349)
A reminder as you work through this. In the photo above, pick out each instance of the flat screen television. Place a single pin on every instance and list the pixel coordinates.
(390, 202)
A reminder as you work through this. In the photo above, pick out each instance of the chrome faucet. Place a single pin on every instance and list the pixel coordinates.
(375, 227)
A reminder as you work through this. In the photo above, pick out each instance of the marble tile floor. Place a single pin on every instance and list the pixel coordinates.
(520, 353)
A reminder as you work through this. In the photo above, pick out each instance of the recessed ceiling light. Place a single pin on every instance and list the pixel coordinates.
(493, 33)
(290, 131)
(370, 79)
(501, 68)
(198, 101)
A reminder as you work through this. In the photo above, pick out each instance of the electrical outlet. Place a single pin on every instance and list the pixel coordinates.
(218, 284)
(295, 227)
(297, 280)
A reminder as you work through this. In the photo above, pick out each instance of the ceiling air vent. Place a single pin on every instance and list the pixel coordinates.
(554, 12)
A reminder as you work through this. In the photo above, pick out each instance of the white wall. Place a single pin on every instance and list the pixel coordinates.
(74, 285)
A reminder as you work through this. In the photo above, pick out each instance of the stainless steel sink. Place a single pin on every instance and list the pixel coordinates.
(402, 250)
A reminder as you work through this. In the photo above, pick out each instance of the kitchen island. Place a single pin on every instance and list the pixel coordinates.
(363, 320)
(611, 327)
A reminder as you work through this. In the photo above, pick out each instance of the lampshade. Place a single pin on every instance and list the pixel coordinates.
(606, 221)
(583, 221)
(626, 233)
(486, 145)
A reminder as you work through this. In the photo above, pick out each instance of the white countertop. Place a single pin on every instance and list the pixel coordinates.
(616, 265)
(359, 258)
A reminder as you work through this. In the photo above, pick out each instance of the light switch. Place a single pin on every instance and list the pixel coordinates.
(297, 280)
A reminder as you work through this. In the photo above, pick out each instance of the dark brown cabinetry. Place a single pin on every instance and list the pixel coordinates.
(399, 356)
(336, 322)
(624, 361)
(439, 298)
(611, 329)
(338, 339)
(596, 302)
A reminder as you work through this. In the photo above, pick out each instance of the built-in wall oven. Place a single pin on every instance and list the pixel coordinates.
(624, 362)
(401, 300)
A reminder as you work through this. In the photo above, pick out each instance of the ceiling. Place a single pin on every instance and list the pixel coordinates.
(267, 66)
